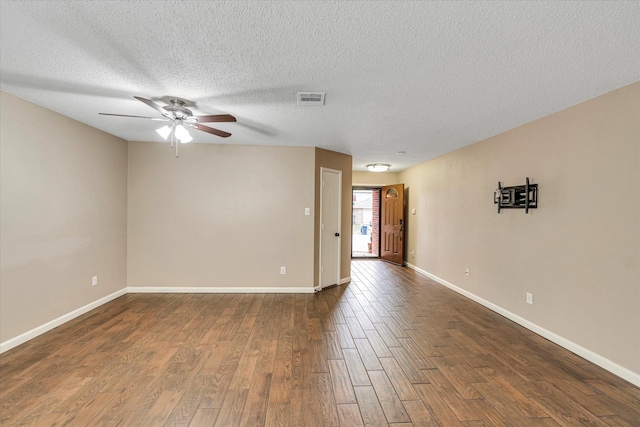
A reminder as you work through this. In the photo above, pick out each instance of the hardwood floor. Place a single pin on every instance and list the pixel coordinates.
(392, 348)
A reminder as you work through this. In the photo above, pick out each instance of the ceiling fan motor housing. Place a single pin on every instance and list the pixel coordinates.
(178, 109)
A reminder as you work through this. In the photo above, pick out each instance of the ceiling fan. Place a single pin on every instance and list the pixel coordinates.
(180, 118)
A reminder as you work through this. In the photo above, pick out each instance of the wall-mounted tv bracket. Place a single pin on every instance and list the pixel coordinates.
(517, 197)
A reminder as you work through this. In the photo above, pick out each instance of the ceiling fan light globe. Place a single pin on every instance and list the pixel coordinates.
(164, 132)
(183, 135)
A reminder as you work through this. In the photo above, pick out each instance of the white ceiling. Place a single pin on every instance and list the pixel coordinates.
(424, 77)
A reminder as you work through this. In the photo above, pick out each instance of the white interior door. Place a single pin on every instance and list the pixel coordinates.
(330, 238)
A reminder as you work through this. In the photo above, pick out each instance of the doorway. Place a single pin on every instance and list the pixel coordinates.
(365, 222)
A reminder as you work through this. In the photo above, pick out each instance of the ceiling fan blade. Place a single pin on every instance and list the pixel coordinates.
(152, 104)
(207, 129)
(138, 117)
(216, 118)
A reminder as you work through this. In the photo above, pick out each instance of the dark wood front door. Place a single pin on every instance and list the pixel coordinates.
(392, 223)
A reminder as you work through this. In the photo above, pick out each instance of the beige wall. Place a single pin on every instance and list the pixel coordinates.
(375, 179)
(342, 162)
(63, 215)
(220, 216)
(578, 253)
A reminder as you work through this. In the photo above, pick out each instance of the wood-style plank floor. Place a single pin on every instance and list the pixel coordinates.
(392, 348)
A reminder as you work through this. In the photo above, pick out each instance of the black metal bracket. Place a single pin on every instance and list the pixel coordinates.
(516, 197)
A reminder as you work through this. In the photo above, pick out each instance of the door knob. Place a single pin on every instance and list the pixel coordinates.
(337, 234)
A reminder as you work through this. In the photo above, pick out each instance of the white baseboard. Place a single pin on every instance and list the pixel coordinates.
(216, 290)
(22, 338)
(603, 362)
(345, 280)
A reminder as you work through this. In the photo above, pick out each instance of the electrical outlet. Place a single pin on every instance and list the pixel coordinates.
(529, 298)
(283, 270)
(413, 254)
(94, 281)
(466, 272)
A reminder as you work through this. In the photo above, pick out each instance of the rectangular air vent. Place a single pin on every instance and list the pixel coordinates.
(310, 98)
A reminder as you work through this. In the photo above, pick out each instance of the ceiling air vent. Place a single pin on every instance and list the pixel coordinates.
(311, 98)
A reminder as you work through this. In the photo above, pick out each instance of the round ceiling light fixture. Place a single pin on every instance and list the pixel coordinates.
(378, 167)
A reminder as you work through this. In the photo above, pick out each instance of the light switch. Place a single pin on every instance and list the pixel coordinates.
(307, 211)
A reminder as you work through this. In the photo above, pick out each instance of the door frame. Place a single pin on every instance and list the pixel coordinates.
(339, 214)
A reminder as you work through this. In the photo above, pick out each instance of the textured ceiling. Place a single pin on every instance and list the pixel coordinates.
(425, 78)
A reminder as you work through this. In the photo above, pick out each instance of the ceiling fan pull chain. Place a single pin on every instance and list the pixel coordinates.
(176, 140)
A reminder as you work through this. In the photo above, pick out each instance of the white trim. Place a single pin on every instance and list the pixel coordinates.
(22, 338)
(345, 280)
(603, 362)
(216, 290)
